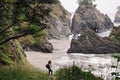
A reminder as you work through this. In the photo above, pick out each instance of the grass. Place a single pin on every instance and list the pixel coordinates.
(74, 73)
(22, 73)
(30, 73)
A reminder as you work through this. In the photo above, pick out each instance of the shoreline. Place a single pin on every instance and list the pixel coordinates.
(40, 59)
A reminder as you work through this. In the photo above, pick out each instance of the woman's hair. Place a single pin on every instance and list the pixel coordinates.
(49, 61)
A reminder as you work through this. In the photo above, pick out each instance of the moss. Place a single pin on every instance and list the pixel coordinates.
(12, 53)
(31, 40)
(20, 52)
(27, 40)
(5, 59)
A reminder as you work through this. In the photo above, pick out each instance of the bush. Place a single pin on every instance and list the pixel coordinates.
(74, 73)
(22, 73)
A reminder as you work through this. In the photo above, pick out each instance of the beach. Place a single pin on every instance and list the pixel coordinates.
(39, 59)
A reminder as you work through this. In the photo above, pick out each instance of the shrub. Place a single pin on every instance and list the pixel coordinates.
(22, 73)
(74, 73)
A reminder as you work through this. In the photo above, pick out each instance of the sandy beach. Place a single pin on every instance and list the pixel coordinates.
(39, 59)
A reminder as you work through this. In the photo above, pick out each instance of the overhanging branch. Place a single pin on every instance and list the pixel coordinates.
(20, 35)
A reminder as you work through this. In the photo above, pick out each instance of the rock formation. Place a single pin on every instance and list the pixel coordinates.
(11, 53)
(45, 47)
(115, 34)
(117, 17)
(59, 22)
(36, 43)
(89, 16)
(89, 42)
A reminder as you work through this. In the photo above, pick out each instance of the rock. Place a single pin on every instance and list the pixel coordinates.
(59, 22)
(27, 41)
(89, 42)
(12, 53)
(89, 16)
(117, 17)
(46, 47)
(115, 34)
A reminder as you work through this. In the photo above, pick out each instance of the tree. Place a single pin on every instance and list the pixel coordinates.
(20, 18)
(15, 13)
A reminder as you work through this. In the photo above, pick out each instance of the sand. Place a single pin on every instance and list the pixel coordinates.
(39, 59)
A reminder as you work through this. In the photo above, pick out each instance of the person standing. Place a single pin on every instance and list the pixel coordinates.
(49, 67)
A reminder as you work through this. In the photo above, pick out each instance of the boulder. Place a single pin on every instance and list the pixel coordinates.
(89, 42)
(89, 16)
(45, 47)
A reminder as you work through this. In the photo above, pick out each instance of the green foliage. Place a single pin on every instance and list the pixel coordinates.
(21, 17)
(114, 73)
(5, 59)
(113, 66)
(40, 37)
(22, 73)
(74, 73)
(11, 53)
(15, 12)
(115, 34)
(27, 41)
(117, 57)
(22, 59)
(117, 78)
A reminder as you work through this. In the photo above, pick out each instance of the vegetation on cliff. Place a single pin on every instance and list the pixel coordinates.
(15, 13)
(115, 34)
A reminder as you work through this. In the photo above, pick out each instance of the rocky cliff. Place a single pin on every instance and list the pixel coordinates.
(115, 34)
(11, 53)
(89, 16)
(59, 22)
(117, 17)
(89, 42)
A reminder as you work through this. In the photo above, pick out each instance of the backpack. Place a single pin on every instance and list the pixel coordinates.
(47, 66)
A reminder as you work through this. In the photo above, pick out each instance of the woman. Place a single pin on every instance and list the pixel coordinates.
(49, 67)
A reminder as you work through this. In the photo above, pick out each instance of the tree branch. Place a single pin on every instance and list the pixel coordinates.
(14, 37)
(27, 4)
(5, 29)
(20, 35)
